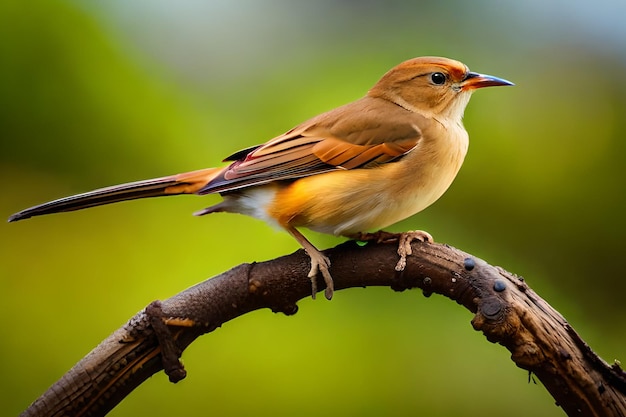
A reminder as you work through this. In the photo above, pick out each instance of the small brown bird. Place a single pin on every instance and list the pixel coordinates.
(359, 167)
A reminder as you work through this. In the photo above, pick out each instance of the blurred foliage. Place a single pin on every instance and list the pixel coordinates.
(92, 94)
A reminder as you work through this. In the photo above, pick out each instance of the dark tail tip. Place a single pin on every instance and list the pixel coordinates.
(17, 216)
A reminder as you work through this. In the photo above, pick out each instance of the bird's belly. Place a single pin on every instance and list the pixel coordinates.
(348, 202)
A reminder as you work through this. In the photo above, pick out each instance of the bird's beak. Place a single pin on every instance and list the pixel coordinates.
(474, 80)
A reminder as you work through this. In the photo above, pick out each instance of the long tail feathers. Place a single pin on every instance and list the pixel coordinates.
(187, 183)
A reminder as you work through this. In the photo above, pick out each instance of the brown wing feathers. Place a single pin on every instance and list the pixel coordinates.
(306, 151)
(349, 156)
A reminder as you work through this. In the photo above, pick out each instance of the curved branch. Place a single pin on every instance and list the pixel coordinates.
(506, 310)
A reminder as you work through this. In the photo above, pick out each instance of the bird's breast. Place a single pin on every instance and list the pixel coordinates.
(358, 200)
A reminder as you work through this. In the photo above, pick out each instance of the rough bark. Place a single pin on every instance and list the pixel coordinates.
(506, 310)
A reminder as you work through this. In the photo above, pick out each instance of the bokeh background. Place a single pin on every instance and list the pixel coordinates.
(96, 93)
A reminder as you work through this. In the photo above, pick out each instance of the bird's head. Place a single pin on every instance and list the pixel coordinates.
(432, 86)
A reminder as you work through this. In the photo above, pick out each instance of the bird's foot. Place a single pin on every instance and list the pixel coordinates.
(404, 245)
(320, 264)
(404, 240)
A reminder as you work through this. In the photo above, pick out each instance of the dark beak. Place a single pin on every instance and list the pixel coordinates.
(474, 80)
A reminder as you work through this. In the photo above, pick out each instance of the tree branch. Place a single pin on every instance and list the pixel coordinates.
(506, 310)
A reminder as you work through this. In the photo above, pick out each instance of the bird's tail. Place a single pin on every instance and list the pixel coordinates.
(187, 183)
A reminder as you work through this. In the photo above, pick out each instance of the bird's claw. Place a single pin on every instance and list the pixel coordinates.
(404, 242)
(321, 264)
(404, 245)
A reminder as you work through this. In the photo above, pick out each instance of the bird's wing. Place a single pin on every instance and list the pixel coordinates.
(362, 134)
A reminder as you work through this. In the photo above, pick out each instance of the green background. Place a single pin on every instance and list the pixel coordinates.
(97, 93)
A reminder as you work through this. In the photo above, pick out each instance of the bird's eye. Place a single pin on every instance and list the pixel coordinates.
(437, 78)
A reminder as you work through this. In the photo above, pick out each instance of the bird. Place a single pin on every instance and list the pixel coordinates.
(359, 167)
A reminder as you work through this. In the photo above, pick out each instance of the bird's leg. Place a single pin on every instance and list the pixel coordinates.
(404, 242)
(319, 263)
